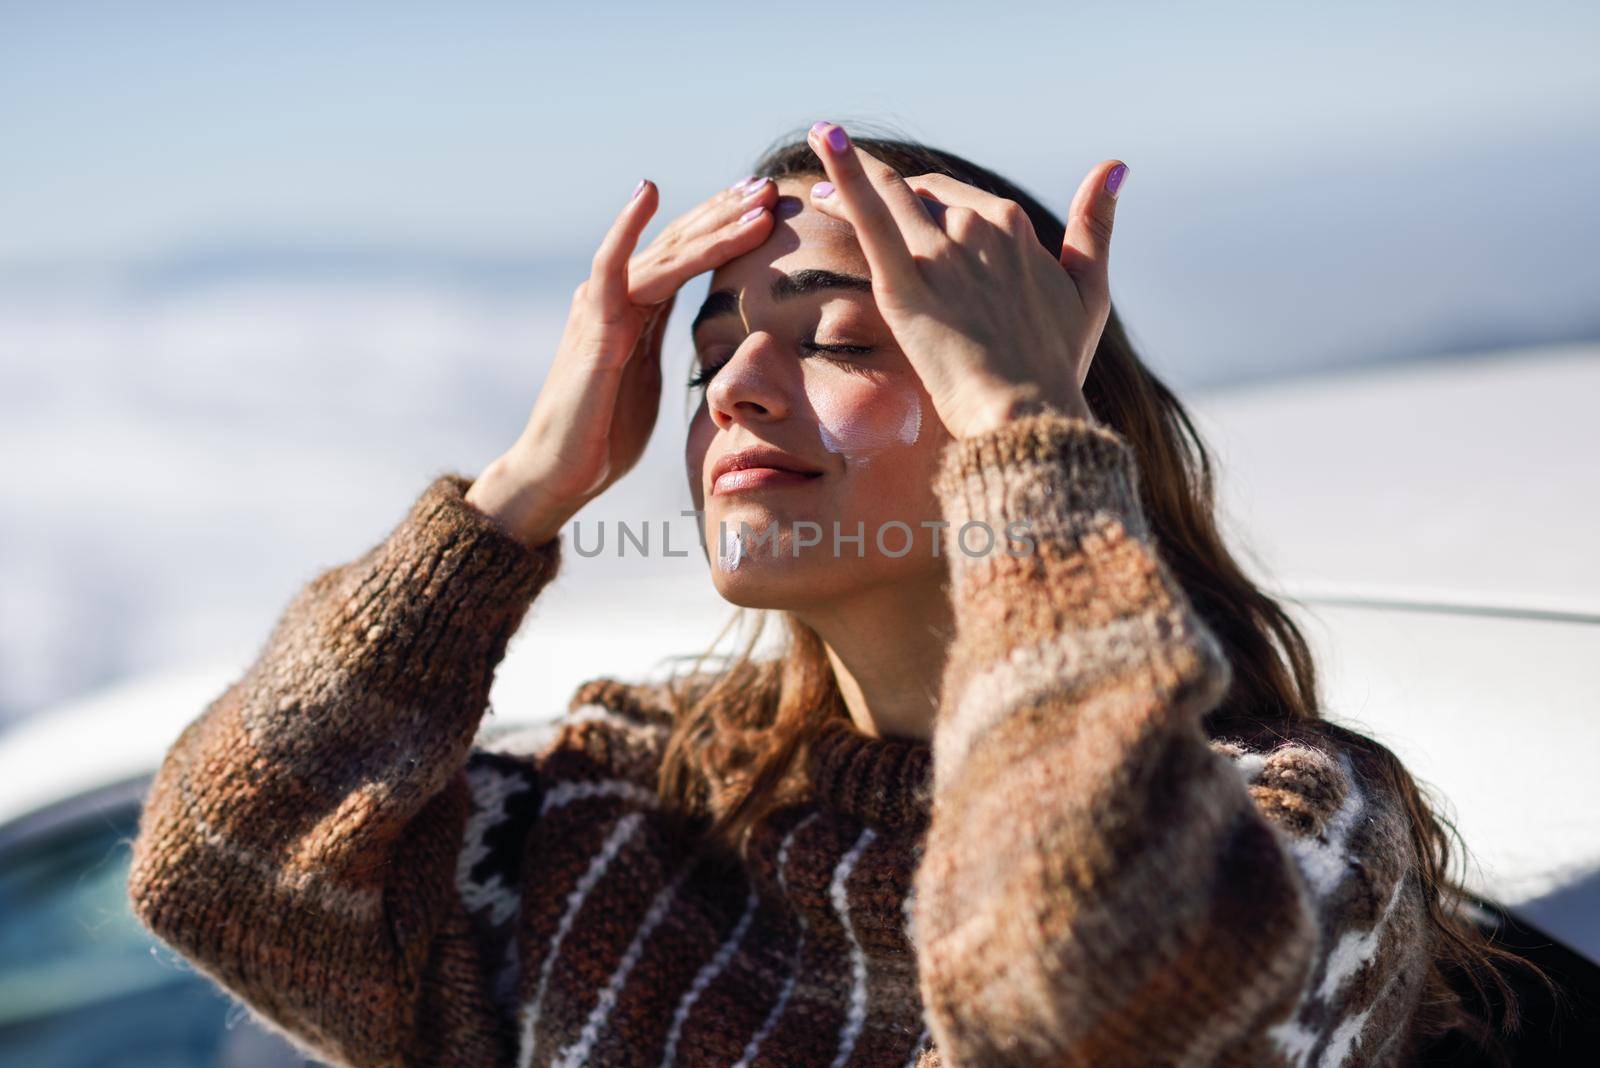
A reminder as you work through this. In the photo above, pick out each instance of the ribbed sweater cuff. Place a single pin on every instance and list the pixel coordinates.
(1057, 474)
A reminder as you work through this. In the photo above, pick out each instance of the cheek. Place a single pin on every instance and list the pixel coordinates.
(863, 421)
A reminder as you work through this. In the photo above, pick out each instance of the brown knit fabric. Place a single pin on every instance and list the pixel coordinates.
(1071, 873)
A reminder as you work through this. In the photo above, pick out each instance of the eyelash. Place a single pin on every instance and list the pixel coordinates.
(704, 375)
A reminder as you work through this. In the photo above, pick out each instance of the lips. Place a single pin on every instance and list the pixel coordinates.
(760, 465)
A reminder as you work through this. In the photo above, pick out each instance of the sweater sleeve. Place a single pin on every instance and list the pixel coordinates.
(1101, 884)
(300, 841)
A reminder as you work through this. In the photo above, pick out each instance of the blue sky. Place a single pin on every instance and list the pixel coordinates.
(131, 130)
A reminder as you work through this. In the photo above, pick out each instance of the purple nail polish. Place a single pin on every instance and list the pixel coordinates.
(637, 190)
(838, 140)
(822, 190)
(1114, 179)
(752, 215)
(754, 187)
(742, 182)
(820, 127)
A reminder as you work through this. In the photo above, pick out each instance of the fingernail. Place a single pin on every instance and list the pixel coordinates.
(822, 190)
(1114, 179)
(754, 188)
(637, 190)
(838, 140)
(752, 215)
(742, 182)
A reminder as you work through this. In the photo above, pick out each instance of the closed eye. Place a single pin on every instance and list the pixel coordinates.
(703, 376)
(847, 350)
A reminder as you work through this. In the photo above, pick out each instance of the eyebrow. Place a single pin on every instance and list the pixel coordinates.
(784, 287)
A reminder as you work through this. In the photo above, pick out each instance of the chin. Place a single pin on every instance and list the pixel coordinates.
(763, 581)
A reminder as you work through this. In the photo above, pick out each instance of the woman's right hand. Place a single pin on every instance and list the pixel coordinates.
(598, 406)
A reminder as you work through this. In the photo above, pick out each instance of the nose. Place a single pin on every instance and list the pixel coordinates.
(750, 388)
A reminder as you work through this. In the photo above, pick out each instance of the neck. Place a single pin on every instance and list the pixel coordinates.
(887, 646)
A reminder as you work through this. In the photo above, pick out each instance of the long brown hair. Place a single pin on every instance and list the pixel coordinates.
(742, 731)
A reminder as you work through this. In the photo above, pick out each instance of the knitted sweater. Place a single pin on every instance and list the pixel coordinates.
(1072, 872)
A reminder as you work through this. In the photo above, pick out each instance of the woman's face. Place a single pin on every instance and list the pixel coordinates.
(800, 361)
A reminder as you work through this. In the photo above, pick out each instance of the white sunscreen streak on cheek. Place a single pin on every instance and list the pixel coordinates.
(858, 439)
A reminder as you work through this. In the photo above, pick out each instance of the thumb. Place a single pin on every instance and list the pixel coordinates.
(1086, 248)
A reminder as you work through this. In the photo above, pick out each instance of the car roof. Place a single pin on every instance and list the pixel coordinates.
(1468, 481)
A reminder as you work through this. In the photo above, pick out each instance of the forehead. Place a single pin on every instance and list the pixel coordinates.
(801, 237)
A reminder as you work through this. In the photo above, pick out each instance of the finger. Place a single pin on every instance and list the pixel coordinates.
(936, 212)
(1008, 215)
(736, 227)
(609, 272)
(875, 201)
(903, 204)
(710, 212)
(1086, 248)
(711, 216)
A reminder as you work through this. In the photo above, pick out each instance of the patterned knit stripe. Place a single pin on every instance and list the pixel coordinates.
(808, 1018)
(582, 1050)
(879, 886)
(704, 977)
(504, 783)
(1373, 922)
(838, 893)
(668, 952)
(574, 791)
(1336, 1023)
(504, 795)
(884, 1024)
(743, 993)
(595, 846)
(620, 835)
(1348, 843)
(826, 1011)
(829, 1008)
(1355, 951)
(781, 1005)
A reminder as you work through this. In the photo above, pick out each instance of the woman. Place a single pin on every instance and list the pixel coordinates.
(1039, 779)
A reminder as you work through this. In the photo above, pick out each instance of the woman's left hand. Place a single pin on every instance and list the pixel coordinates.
(995, 326)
